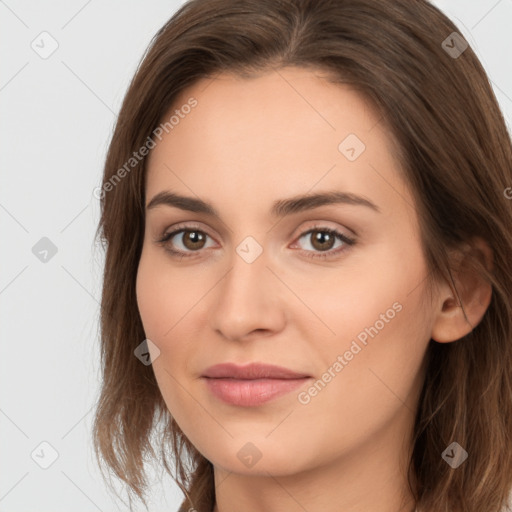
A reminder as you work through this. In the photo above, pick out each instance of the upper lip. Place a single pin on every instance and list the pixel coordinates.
(251, 371)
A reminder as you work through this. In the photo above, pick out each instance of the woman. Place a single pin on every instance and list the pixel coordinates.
(306, 214)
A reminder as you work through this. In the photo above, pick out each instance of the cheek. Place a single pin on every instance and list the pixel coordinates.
(382, 328)
(377, 378)
(149, 298)
(163, 296)
(168, 308)
(376, 314)
(352, 299)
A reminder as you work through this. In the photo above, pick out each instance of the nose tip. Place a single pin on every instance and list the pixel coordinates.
(247, 303)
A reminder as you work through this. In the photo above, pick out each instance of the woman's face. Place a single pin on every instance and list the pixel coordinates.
(259, 277)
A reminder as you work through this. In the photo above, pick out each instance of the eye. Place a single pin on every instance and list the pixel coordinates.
(322, 240)
(191, 240)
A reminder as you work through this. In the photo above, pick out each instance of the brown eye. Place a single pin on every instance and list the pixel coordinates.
(322, 240)
(193, 240)
(185, 241)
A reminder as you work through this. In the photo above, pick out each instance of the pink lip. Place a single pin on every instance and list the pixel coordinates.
(251, 385)
(251, 371)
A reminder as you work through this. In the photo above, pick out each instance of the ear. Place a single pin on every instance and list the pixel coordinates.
(450, 323)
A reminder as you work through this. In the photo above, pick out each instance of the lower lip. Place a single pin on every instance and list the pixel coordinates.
(250, 393)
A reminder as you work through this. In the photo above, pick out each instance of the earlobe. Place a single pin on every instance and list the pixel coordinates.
(454, 320)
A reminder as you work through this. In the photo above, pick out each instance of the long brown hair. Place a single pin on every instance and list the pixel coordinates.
(456, 154)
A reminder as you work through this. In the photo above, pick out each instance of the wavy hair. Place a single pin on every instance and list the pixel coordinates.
(456, 155)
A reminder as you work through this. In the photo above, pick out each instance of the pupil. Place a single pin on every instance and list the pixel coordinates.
(194, 238)
(320, 238)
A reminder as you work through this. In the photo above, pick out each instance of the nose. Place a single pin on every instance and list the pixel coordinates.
(249, 301)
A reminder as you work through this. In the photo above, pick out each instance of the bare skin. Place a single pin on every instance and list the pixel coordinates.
(247, 144)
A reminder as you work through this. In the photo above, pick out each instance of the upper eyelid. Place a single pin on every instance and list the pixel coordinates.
(317, 224)
(186, 227)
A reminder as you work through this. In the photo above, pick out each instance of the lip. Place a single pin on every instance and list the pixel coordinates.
(251, 385)
(251, 371)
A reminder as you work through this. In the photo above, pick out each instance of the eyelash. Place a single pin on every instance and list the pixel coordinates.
(348, 241)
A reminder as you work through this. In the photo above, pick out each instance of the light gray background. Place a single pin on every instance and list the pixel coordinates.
(56, 119)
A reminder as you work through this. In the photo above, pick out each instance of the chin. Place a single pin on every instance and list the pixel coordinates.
(258, 457)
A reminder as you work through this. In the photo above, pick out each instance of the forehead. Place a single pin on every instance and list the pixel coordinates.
(284, 130)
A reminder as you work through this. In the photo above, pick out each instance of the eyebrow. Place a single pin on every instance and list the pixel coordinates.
(280, 208)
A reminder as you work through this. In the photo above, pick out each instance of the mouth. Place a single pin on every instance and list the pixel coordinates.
(251, 385)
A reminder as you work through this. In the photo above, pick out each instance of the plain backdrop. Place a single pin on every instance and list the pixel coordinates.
(57, 115)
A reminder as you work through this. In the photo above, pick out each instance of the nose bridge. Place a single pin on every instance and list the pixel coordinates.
(248, 268)
(248, 271)
(247, 297)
